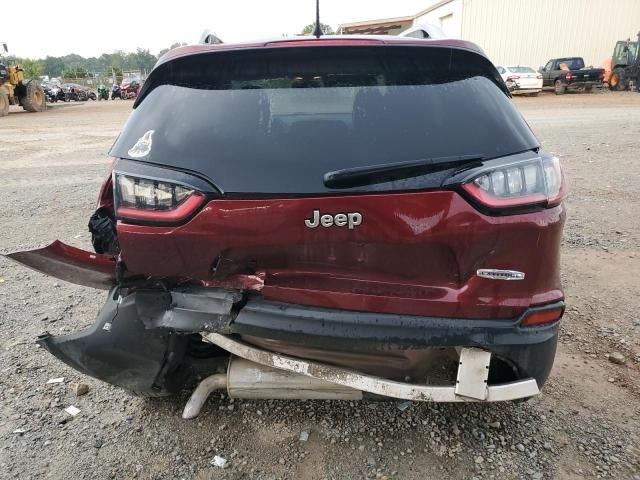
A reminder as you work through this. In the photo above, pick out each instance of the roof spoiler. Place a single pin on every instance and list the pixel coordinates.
(208, 37)
(424, 30)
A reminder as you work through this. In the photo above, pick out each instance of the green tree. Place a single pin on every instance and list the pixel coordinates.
(76, 71)
(141, 60)
(53, 66)
(32, 68)
(326, 29)
(114, 70)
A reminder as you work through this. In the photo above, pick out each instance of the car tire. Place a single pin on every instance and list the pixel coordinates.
(4, 103)
(618, 81)
(534, 94)
(34, 99)
(559, 87)
(588, 89)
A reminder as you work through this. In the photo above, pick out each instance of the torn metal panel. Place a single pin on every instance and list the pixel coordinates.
(70, 264)
(192, 310)
(368, 383)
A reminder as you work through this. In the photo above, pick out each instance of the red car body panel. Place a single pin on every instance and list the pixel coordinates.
(414, 253)
(70, 264)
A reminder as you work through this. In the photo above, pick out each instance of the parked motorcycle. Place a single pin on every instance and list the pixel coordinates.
(115, 91)
(71, 94)
(54, 93)
(103, 92)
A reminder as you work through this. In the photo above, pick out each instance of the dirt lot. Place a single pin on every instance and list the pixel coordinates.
(585, 425)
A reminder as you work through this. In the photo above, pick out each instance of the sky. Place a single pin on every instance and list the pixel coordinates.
(94, 28)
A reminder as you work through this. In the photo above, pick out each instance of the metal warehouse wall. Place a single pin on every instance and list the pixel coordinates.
(530, 32)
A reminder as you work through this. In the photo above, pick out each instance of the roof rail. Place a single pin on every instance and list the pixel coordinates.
(424, 30)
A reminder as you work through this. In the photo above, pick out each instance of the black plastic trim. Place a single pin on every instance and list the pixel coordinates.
(341, 329)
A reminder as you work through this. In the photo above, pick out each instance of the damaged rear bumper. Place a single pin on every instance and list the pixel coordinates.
(143, 342)
(150, 341)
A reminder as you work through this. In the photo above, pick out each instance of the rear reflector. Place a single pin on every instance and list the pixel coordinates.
(541, 317)
(143, 199)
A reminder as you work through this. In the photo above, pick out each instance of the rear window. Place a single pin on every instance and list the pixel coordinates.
(522, 70)
(274, 121)
(572, 63)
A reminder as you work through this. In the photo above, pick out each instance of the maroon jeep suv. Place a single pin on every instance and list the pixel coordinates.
(331, 217)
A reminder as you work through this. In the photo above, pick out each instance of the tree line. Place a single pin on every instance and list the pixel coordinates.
(77, 66)
(74, 66)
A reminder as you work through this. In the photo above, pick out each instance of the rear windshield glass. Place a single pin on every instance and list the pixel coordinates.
(276, 120)
(522, 70)
(571, 63)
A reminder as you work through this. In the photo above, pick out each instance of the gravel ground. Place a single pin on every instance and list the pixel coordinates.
(585, 424)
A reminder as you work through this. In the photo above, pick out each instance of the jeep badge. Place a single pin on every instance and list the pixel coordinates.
(349, 220)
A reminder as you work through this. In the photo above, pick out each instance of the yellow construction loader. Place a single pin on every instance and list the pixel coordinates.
(16, 90)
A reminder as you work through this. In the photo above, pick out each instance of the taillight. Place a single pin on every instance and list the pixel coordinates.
(539, 77)
(568, 76)
(105, 197)
(512, 78)
(143, 199)
(541, 317)
(537, 181)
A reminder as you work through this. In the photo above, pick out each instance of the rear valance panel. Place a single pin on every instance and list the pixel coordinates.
(274, 121)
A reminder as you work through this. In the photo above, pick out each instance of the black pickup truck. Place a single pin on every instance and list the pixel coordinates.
(562, 74)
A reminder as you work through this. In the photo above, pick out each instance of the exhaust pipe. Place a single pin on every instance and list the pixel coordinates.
(249, 380)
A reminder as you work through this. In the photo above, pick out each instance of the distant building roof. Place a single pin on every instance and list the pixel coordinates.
(386, 26)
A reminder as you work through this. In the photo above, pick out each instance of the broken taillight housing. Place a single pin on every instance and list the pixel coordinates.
(156, 201)
(530, 182)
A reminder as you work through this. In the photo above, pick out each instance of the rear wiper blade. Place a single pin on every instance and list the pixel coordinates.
(387, 172)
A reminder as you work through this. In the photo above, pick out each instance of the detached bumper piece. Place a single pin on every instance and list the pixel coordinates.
(119, 350)
(290, 377)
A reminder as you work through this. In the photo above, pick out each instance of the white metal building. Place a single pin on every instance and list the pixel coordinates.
(527, 32)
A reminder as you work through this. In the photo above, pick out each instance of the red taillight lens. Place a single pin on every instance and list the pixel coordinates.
(512, 78)
(568, 76)
(541, 317)
(530, 182)
(143, 199)
(539, 77)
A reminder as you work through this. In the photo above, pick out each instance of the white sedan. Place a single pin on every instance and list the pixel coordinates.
(521, 79)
